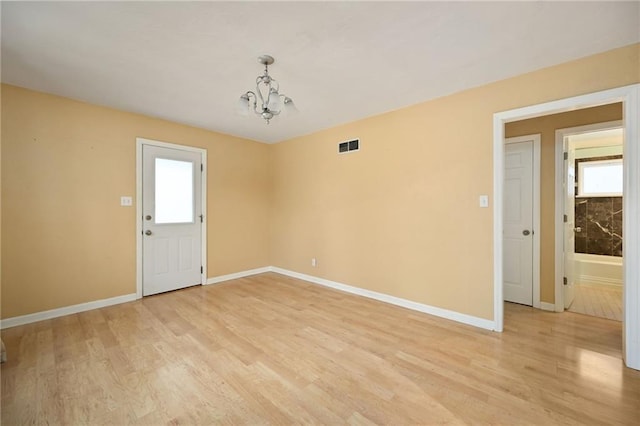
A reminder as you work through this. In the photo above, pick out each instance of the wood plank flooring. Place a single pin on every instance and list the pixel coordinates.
(270, 349)
(602, 301)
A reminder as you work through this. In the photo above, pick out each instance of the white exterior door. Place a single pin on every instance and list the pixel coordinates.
(518, 223)
(171, 219)
(569, 186)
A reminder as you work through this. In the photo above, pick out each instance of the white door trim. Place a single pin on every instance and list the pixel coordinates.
(536, 211)
(630, 98)
(559, 201)
(203, 155)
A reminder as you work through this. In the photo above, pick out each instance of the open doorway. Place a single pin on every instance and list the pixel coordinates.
(628, 96)
(592, 191)
(544, 231)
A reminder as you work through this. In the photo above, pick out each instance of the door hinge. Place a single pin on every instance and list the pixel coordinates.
(201, 269)
(564, 280)
(565, 219)
(201, 218)
(201, 167)
(566, 155)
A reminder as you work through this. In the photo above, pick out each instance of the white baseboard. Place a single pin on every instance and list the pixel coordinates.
(67, 310)
(236, 275)
(427, 309)
(420, 307)
(547, 306)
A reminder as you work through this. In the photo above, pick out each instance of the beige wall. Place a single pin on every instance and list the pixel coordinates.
(401, 216)
(65, 164)
(547, 127)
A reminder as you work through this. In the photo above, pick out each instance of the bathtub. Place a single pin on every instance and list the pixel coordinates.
(596, 269)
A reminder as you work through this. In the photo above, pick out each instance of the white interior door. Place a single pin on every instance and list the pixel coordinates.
(518, 223)
(171, 219)
(569, 186)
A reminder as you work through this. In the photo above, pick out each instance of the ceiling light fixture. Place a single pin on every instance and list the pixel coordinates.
(272, 103)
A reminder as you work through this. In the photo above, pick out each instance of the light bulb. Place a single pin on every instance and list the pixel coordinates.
(243, 105)
(274, 101)
(289, 106)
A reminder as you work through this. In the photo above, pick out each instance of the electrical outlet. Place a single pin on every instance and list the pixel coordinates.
(126, 201)
(314, 262)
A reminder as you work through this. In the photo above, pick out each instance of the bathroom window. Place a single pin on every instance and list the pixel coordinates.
(601, 178)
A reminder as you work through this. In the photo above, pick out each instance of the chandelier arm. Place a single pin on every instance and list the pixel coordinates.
(255, 101)
(263, 105)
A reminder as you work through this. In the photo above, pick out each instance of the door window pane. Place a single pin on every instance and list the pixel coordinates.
(174, 191)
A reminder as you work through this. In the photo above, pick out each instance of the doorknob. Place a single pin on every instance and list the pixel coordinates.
(148, 232)
(526, 232)
(148, 217)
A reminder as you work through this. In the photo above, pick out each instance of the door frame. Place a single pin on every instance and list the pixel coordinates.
(559, 200)
(140, 142)
(535, 262)
(630, 98)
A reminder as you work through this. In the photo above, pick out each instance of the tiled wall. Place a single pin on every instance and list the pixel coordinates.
(600, 221)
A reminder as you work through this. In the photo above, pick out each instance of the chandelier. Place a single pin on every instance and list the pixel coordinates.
(272, 103)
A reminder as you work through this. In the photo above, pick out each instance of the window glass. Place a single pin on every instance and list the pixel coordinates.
(600, 178)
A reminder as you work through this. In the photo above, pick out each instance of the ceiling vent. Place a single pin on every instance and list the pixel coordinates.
(348, 146)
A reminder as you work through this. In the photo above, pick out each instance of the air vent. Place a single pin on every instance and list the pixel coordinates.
(348, 146)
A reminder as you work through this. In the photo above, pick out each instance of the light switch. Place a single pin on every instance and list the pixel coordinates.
(484, 201)
(126, 201)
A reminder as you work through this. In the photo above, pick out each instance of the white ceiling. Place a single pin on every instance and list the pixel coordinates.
(610, 137)
(339, 61)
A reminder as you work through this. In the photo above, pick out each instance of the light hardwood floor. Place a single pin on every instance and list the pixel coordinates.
(602, 301)
(273, 349)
